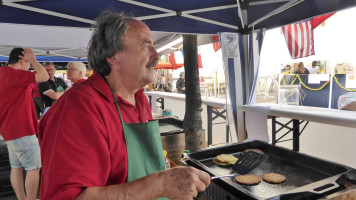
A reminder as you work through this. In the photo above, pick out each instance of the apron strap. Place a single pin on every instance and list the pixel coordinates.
(148, 119)
(116, 102)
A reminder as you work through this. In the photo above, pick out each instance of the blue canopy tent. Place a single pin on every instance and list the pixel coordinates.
(49, 58)
(68, 43)
(183, 16)
(246, 19)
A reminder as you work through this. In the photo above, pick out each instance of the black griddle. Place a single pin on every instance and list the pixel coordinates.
(306, 175)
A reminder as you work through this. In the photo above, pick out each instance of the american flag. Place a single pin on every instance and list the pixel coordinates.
(300, 37)
(216, 44)
(200, 63)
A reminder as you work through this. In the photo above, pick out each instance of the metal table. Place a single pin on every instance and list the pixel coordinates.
(303, 114)
(215, 108)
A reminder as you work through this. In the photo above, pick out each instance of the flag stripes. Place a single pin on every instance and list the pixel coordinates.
(299, 39)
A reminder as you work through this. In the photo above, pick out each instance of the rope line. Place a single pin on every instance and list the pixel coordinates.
(337, 81)
(309, 88)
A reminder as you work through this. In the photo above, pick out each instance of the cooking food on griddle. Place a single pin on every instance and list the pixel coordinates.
(225, 159)
(274, 178)
(248, 179)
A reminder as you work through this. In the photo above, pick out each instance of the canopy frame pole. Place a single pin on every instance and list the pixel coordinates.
(210, 21)
(147, 6)
(47, 12)
(38, 51)
(211, 9)
(57, 54)
(186, 14)
(15, 1)
(239, 11)
(267, 2)
(170, 14)
(61, 50)
(276, 11)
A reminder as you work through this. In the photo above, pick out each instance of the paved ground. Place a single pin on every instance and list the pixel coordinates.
(13, 197)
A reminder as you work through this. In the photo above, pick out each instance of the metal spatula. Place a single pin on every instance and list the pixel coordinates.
(215, 177)
(247, 161)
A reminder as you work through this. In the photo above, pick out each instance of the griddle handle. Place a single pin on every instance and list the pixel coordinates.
(325, 188)
(320, 186)
(292, 196)
(351, 176)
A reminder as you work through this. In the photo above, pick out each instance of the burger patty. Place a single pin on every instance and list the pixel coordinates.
(274, 178)
(248, 179)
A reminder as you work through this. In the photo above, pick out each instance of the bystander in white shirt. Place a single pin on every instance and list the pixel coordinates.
(313, 70)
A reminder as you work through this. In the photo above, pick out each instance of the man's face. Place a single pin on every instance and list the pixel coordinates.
(51, 70)
(139, 56)
(73, 74)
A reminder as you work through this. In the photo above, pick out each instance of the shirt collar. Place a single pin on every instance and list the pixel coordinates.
(100, 85)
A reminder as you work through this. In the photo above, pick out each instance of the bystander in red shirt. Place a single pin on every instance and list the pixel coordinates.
(15, 90)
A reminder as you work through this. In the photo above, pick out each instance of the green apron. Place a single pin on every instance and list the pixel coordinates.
(58, 89)
(144, 147)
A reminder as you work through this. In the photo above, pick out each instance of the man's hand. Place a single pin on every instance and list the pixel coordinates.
(28, 55)
(41, 73)
(183, 182)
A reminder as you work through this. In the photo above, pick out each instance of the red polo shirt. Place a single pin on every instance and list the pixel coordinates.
(17, 114)
(79, 81)
(35, 92)
(81, 139)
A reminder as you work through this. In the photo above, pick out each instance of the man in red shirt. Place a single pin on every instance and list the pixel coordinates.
(18, 121)
(98, 141)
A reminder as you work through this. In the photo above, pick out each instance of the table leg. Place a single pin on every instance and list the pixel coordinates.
(150, 99)
(210, 124)
(274, 131)
(161, 100)
(295, 135)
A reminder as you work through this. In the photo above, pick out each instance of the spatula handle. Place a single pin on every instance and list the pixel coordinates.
(215, 177)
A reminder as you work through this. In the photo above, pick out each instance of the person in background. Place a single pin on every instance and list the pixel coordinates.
(302, 69)
(202, 80)
(284, 70)
(160, 83)
(76, 71)
(18, 121)
(99, 140)
(167, 86)
(37, 100)
(169, 83)
(289, 76)
(287, 69)
(314, 68)
(52, 89)
(180, 85)
(294, 68)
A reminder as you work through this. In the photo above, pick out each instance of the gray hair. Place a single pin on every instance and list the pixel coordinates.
(181, 74)
(107, 39)
(79, 66)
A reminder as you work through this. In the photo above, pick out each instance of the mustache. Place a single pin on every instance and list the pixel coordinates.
(152, 64)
